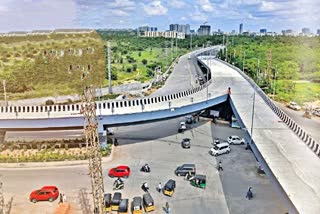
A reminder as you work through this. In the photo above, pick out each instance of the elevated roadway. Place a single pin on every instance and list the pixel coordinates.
(279, 144)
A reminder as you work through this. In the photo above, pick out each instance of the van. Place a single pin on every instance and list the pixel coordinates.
(220, 149)
(185, 169)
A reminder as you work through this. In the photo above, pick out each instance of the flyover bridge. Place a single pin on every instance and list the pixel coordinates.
(289, 155)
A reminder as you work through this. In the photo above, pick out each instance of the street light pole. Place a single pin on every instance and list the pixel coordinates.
(274, 82)
(244, 58)
(252, 117)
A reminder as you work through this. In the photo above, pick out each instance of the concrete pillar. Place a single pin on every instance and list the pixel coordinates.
(2, 136)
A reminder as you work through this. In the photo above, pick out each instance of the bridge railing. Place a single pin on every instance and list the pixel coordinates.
(302, 134)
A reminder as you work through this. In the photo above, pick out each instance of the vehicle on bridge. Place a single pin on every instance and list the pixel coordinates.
(294, 106)
(234, 139)
(46, 193)
(199, 181)
(220, 149)
(169, 187)
(119, 171)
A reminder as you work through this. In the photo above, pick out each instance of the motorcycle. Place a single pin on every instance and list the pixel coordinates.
(118, 185)
(145, 168)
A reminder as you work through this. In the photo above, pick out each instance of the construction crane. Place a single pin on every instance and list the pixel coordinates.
(93, 145)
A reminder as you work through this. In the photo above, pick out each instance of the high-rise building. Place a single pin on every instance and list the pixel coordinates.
(204, 30)
(143, 28)
(241, 28)
(180, 28)
(318, 32)
(263, 31)
(306, 31)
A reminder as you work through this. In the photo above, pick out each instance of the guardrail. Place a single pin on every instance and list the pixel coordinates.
(74, 109)
(302, 134)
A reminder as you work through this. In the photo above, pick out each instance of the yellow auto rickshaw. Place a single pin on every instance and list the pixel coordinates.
(107, 202)
(169, 187)
(123, 206)
(136, 205)
(148, 202)
(115, 202)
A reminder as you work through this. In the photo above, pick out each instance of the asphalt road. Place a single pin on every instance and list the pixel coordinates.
(312, 126)
(184, 76)
(158, 144)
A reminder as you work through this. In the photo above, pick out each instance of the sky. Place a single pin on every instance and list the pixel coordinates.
(274, 15)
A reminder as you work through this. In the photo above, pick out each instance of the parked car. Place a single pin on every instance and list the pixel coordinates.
(186, 143)
(234, 139)
(46, 193)
(294, 106)
(182, 126)
(220, 149)
(189, 119)
(185, 169)
(119, 171)
(316, 111)
(216, 141)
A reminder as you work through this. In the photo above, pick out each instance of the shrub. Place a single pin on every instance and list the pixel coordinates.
(49, 102)
(144, 61)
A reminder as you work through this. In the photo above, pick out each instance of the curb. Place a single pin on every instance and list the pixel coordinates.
(25, 165)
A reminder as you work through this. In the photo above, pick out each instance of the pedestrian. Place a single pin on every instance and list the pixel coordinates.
(220, 166)
(159, 187)
(61, 198)
(249, 193)
(64, 198)
(229, 90)
(167, 208)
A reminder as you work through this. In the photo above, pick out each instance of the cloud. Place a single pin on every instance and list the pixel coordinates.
(198, 16)
(155, 8)
(117, 12)
(121, 4)
(206, 5)
(178, 4)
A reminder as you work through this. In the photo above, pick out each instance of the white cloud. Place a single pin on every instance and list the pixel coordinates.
(176, 4)
(117, 12)
(121, 3)
(155, 8)
(206, 5)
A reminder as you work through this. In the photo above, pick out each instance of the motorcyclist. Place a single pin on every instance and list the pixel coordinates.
(145, 186)
(146, 168)
(117, 183)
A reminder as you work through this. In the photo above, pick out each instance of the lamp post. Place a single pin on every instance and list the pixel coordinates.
(274, 80)
(244, 58)
(258, 70)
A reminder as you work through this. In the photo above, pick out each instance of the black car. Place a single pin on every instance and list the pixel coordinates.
(185, 169)
(186, 143)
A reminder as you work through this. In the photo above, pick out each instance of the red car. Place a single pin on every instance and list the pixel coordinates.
(119, 171)
(46, 193)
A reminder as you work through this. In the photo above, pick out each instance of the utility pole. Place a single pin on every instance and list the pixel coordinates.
(177, 44)
(93, 145)
(244, 58)
(109, 68)
(191, 41)
(223, 43)
(171, 49)
(274, 82)
(269, 59)
(5, 92)
(227, 50)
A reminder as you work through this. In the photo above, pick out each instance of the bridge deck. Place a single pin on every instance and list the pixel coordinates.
(295, 166)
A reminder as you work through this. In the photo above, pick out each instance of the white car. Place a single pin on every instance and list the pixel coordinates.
(110, 131)
(182, 126)
(236, 140)
(294, 106)
(220, 149)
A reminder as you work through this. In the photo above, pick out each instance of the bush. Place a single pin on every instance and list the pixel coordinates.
(129, 69)
(144, 61)
(134, 67)
(49, 102)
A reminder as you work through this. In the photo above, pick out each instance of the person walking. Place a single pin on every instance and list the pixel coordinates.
(61, 198)
(167, 208)
(64, 198)
(220, 166)
(159, 187)
(249, 193)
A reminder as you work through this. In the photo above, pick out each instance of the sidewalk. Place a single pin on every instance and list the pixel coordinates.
(52, 163)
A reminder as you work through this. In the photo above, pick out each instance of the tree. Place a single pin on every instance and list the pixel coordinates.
(144, 61)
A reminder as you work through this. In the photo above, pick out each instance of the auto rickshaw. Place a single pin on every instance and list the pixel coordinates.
(199, 181)
(123, 206)
(107, 202)
(115, 202)
(148, 202)
(137, 205)
(169, 187)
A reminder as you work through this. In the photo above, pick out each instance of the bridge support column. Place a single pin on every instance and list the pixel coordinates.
(2, 136)
(102, 136)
